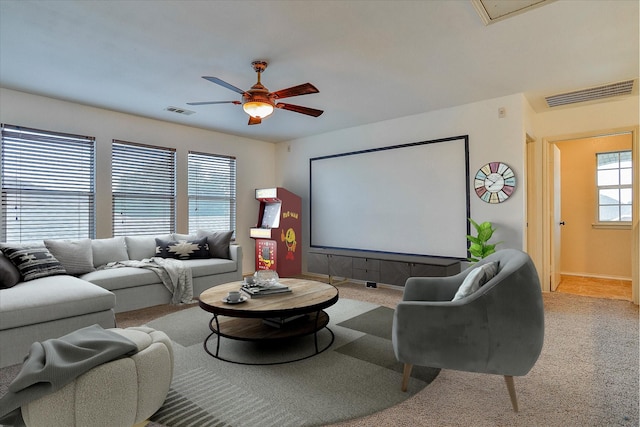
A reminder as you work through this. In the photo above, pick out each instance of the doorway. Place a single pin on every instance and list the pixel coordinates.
(591, 255)
(545, 209)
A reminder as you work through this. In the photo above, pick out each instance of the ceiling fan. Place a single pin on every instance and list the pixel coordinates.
(259, 103)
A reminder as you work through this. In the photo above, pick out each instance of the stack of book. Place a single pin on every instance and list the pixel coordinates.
(256, 290)
(281, 322)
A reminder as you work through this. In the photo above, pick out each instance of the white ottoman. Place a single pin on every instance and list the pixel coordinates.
(122, 392)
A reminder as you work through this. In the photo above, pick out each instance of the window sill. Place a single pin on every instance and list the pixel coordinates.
(612, 225)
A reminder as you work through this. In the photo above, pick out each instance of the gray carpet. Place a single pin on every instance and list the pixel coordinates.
(356, 376)
(587, 375)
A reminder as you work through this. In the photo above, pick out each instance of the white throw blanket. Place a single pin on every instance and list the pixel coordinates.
(175, 276)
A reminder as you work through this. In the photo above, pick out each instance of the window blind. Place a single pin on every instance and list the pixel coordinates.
(143, 189)
(47, 185)
(212, 192)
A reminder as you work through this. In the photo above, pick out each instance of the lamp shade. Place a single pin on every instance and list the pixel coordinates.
(258, 109)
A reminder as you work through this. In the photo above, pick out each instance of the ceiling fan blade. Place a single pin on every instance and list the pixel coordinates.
(214, 102)
(223, 84)
(254, 120)
(298, 109)
(303, 89)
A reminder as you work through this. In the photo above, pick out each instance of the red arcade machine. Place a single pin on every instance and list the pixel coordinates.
(278, 232)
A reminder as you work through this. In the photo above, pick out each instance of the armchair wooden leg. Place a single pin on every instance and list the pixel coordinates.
(406, 373)
(512, 392)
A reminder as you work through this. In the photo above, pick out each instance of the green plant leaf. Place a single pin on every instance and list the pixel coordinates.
(479, 247)
(474, 239)
(491, 247)
(488, 251)
(475, 224)
(476, 250)
(486, 227)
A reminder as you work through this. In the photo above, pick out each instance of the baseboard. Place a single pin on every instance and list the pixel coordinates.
(596, 276)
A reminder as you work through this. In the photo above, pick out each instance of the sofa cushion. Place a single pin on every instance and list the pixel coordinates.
(129, 277)
(122, 277)
(9, 274)
(51, 298)
(33, 262)
(143, 247)
(75, 255)
(182, 249)
(109, 250)
(218, 241)
(210, 266)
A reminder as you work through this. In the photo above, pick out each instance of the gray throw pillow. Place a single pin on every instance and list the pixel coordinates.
(490, 270)
(176, 236)
(219, 242)
(475, 279)
(182, 249)
(76, 256)
(143, 247)
(109, 250)
(9, 274)
(33, 262)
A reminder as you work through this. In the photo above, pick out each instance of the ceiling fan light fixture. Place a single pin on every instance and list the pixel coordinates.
(258, 102)
(258, 109)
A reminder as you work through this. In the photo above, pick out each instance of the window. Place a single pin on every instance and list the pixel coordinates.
(212, 192)
(47, 185)
(143, 188)
(614, 186)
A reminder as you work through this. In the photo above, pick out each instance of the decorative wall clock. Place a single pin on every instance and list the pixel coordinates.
(494, 182)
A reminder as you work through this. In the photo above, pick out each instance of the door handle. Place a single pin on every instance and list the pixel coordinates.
(561, 222)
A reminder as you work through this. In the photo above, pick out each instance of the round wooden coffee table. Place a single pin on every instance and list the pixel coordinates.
(301, 312)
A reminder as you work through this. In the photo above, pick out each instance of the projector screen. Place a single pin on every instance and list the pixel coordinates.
(405, 199)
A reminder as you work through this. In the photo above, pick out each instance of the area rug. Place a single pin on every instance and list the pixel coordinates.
(357, 375)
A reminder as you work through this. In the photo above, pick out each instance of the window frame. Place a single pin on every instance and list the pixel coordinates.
(138, 157)
(620, 224)
(225, 192)
(60, 170)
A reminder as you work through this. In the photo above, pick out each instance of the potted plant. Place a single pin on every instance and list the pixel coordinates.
(480, 248)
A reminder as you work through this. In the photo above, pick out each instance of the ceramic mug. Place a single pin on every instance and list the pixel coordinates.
(234, 296)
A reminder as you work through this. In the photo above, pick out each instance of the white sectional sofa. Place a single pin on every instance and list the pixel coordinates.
(56, 304)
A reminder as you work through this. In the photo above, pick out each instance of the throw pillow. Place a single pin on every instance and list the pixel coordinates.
(219, 242)
(109, 250)
(143, 247)
(475, 279)
(33, 262)
(176, 236)
(75, 256)
(182, 249)
(490, 271)
(9, 274)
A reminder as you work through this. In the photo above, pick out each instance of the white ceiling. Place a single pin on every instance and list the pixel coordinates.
(371, 60)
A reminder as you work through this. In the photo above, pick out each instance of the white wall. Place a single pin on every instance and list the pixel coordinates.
(490, 139)
(570, 122)
(22, 109)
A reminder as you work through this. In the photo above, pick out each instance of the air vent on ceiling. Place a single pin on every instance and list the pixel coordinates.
(180, 111)
(592, 94)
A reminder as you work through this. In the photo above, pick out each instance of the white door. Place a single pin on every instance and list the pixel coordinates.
(556, 219)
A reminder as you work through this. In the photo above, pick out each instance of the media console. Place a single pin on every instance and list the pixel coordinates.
(391, 269)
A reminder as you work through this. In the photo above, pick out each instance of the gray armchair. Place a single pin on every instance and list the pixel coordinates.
(498, 329)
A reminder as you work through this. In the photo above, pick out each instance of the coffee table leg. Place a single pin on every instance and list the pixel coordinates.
(315, 334)
(215, 331)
